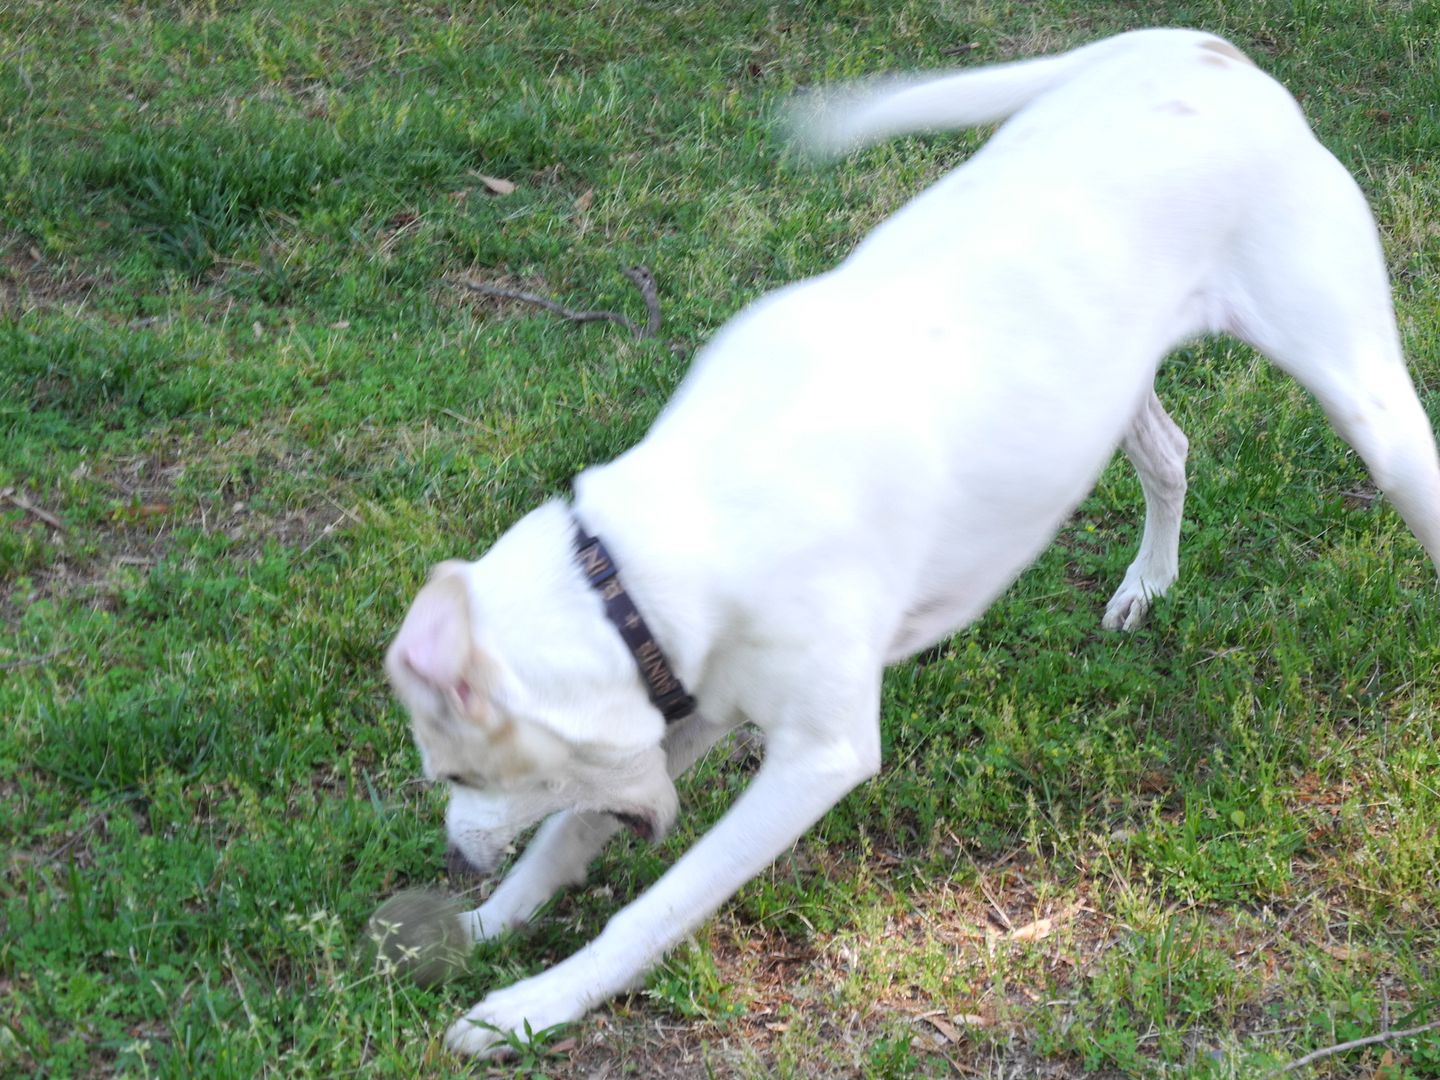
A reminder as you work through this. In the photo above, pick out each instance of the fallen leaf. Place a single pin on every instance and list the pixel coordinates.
(26, 506)
(564, 1046)
(1033, 931)
(495, 184)
(1042, 928)
(583, 202)
(945, 1028)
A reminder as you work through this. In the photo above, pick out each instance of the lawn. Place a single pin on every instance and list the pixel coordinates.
(246, 402)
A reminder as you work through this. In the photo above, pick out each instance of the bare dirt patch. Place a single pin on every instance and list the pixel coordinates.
(129, 509)
(28, 281)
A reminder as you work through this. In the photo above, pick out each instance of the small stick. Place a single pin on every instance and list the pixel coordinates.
(27, 661)
(645, 282)
(643, 279)
(502, 293)
(1355, 1044)
(1274, 935)
(342, 510)
(1004, 919)
(10, 495)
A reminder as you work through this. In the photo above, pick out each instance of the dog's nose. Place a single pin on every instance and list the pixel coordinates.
(459, 866)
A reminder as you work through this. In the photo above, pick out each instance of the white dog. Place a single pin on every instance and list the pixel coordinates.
(859, 463)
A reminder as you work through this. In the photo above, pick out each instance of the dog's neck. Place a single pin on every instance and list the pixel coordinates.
(537, 614)
(667, 693)
(666, 567)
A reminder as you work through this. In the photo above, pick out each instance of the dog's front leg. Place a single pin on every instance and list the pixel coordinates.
(1156, 447)
(804, 774)
(555, 858)
(561, 852)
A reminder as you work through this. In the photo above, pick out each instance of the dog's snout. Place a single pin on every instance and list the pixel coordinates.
(461, 864)
(458, 864)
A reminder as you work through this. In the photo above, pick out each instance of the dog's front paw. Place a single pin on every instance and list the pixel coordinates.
(488, 922)
(522, 1012)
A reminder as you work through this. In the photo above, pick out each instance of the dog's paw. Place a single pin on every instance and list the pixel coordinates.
(1129, 606)
(523, 1013)
(487, 922)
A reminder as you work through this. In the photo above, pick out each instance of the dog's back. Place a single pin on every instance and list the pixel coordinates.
(987, 344)
(949, 393)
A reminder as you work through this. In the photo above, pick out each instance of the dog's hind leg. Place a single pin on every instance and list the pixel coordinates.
(1313, 296)
(561, 851)
(1156, 447)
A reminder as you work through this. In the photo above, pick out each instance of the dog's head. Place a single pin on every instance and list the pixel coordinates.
(516, 741)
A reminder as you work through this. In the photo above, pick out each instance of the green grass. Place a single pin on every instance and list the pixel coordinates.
(238, 375)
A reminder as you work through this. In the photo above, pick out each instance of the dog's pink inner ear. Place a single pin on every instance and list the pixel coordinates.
(463, 693)
(435, 642)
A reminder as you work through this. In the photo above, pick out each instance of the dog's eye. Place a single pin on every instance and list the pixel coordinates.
(466, 780)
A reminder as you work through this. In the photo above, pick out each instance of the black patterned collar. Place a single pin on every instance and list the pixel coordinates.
(666, 691)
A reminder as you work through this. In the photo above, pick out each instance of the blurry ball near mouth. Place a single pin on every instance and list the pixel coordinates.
(418, 932)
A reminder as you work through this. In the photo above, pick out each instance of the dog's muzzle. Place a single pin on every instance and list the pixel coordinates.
(459, 866)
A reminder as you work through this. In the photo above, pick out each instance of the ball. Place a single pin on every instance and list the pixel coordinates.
(418, 932)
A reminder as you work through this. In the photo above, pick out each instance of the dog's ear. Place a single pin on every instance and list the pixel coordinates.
(436, 645)
(446, 679)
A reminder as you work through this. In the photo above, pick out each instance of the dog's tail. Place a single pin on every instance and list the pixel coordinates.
(835, 120)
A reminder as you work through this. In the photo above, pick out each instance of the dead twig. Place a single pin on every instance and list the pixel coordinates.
(30, 661)
(645, 282)
(1280, 928)
(13, 497)
(994, 903)
(500, 292)
(357, 70)
(1355, 1044)
(348, 513)
(639, 275)
(486, 428)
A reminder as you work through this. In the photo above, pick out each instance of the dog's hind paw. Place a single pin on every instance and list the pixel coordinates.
(1129, 606)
